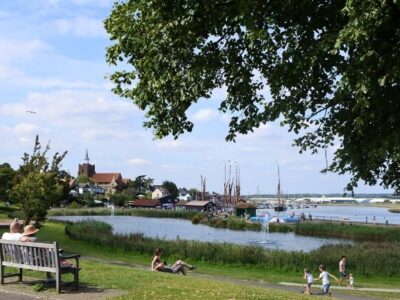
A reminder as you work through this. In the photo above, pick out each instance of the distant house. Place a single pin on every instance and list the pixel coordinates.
(159, 192)
(200, 206)
(168, 199)
(145, 203)
(111, 182)
(181, 205)
(90, 188)
(184, 195)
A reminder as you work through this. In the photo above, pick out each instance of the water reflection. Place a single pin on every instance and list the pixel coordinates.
(171, 229)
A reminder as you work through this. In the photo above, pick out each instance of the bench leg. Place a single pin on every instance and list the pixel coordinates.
(2, 274)
(20, 275)
(58, 281)
(76, 279)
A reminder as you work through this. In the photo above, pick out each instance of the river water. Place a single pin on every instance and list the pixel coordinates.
(352, 213)
(171, 229)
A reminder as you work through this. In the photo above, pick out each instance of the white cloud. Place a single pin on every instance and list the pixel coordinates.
(166, 144)
(100, 3)
(80, 26)
(23, 128)
(205, 114)
(8, 72)
(139, 162)
(16, 50)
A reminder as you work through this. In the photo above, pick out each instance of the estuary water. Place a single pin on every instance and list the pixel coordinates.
(350, 213)
(171, 229)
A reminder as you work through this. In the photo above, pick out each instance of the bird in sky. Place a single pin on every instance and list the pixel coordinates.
(31, 111)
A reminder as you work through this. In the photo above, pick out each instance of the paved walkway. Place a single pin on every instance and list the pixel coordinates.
(383, 290)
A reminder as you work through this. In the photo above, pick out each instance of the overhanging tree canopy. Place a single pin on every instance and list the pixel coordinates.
(332, 68)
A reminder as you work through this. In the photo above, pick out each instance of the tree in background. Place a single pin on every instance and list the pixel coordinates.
(39, 184)
(194, 193)
(171, 188)
(120, 199)
(7, 174)
(329, 70)
(83, 179)
(141, 185)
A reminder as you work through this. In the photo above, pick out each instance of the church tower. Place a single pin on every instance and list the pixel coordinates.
(86, 168)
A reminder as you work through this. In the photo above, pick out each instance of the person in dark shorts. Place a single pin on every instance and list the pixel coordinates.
(342, 269)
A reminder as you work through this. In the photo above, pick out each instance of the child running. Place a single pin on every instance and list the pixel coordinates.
(310, 280)
(324, 275)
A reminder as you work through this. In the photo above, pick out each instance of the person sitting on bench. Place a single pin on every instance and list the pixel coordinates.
(177, 267)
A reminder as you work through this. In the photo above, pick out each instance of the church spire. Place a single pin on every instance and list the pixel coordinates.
(87, 157)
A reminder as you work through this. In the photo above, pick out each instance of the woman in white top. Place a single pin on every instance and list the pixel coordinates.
(324, 275)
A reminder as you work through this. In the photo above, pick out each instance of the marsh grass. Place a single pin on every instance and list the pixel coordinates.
(376, 233)
(150, 213)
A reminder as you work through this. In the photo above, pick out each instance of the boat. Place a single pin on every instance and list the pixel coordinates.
(281, 205)
(292, 219)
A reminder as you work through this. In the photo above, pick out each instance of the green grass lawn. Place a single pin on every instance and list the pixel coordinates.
(140, 283)
(144, 284)
(55, 231)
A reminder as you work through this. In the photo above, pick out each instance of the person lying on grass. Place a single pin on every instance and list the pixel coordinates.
(177, 267)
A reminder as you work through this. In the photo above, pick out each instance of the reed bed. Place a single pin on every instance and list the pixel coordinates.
(151, 213)
(367, 258)
(377, 233)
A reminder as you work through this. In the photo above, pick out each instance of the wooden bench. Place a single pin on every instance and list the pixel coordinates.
(37, 257)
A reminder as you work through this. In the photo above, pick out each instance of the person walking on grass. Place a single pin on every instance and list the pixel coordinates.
(310, 280)
(324, 276)
(342, 269)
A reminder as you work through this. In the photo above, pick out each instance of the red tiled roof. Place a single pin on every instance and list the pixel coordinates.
(106, 177)
(146, 202)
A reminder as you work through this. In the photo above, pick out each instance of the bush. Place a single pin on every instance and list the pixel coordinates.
(196, 219)
(74, 205)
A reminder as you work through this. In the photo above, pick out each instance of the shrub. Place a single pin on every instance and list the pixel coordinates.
(196, 219)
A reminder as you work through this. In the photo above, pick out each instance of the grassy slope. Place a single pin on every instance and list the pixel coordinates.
(55, 231)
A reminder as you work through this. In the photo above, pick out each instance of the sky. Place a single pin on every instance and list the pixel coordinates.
(52, 63)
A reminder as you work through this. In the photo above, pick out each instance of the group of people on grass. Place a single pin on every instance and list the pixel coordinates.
(324, 277)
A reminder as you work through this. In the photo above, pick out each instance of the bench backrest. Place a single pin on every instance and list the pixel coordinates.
(33, 256)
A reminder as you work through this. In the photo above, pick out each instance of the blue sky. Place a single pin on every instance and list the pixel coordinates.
(52, 61)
